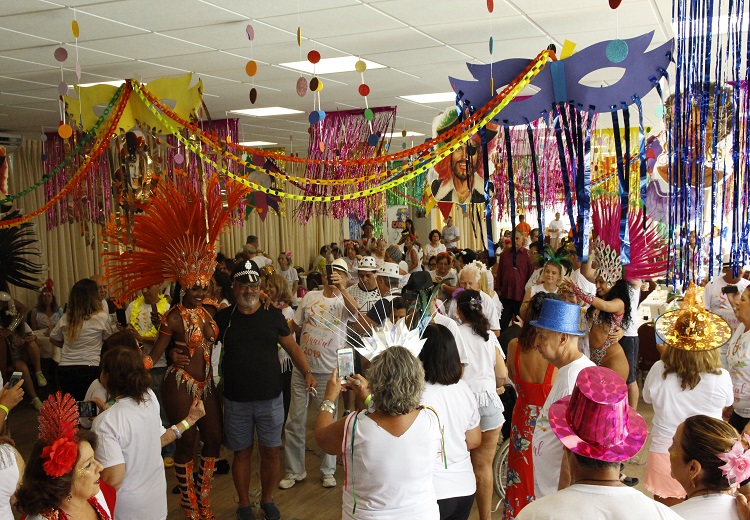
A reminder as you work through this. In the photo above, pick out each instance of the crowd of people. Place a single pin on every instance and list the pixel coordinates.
(230, 350)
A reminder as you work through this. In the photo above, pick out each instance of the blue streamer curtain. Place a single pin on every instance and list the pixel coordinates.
(708, 146)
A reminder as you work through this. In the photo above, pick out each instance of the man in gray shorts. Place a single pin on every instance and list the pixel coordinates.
(253, 400)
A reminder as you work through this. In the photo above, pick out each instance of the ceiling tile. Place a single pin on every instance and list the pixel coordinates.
(328, 23)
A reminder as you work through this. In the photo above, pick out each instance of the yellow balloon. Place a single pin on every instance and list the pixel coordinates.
(74, 28)
(360, 66)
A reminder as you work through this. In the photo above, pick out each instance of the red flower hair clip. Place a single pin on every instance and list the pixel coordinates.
(58, 429)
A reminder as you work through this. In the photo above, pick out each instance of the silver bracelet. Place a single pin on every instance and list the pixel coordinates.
(176, 431)
(328, 406)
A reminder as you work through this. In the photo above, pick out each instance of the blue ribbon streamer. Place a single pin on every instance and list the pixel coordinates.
(583, 186)
(624, 187)
(511, 191)
(487, 206)
(537, 194)
(557, 111)
(641, 153)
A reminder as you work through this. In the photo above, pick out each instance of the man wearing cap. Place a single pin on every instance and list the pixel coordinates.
(320, 320)
(556, 339)
(598, 431)
(450, 234)
(387, 278)
(514, 268)
(253, 401)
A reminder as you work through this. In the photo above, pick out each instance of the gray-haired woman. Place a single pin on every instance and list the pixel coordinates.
(389, 451)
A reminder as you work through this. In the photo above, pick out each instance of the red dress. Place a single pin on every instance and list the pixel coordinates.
(531, 397)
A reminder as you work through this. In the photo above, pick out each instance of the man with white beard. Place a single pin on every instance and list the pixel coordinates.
(253, 400)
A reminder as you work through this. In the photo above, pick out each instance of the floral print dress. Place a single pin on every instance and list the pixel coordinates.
(531, 397)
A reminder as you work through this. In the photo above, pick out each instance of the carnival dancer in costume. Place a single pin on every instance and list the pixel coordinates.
(61, 480)
(175, 239)
(610, 307)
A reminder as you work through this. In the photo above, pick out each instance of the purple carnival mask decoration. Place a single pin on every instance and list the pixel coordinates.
(560, 81)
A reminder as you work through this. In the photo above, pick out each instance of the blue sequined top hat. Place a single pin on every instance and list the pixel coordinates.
(560, 316)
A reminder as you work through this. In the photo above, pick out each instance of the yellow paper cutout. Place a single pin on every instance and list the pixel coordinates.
(568, 49)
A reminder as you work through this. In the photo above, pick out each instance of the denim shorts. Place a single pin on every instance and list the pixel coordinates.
(243, 419)
(490, 417)
(629, 345)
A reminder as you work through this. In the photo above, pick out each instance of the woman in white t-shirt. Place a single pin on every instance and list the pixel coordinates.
(289, 273)
(484, 373)
(738, 361)
(80, 333)
(698, 443)
(131, 436)
(682, 384)
(389, 452)
(455, 485)
(11, 469)
(434, 247)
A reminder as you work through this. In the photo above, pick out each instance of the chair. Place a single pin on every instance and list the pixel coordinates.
(648, 354)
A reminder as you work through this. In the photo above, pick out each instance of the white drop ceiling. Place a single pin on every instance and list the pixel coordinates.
(420, 42)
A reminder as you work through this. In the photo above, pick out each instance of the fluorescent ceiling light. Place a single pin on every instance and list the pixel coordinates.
(115, 83)
(267, 111)
(399, 134)
(431, 98)
(330, 65)
(256, 144)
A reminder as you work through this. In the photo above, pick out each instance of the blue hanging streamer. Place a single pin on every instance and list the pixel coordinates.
(624, 188)
(487, 184)
(511, 191)
(641, 154)
(537, 194)
(557, 111)
(583, 188)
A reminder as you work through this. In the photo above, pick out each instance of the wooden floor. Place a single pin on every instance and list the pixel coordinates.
(307, 500)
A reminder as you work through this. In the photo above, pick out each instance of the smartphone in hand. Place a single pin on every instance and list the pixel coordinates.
(329, 272)
(345, 359)
(87, 408)
(14, 379)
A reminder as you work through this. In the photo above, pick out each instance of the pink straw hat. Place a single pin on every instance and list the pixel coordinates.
(596, 421)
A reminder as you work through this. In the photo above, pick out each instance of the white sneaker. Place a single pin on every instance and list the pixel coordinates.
(329, 481)
(291, 479)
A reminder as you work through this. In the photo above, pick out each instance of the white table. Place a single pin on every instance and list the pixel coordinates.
(654, 305)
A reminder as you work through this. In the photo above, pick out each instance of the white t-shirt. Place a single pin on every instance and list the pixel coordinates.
(398, 485)
(290, 275)
(489, 309)
(129, 433)
(715, 301)
(144, 325)
(323, 325)
(452, 326)
(262, 261)
(631, 330)
(87, 347)
(534, 278)
(9, 475)
(479, 373)
(738, 361)
(703, 507)
(458, 413)
(449, 233)
(96, 389)
(586, 502)
(546, 448)
(583, 283)
(672, 404)
(431, 251)
(555, 228)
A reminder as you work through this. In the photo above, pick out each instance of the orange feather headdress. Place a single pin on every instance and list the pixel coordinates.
(174, 239)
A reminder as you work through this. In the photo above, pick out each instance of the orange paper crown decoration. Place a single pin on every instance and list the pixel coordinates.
(175, 239)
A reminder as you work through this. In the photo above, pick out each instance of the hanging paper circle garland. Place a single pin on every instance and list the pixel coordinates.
(250, 32)
(62, 88)
(43, 137)
(78, 71)
(660, 111)
(316, 85)
(302, 86)
(617, 51)
(251, 68)
(364, 90)
(614, 4)
(492, 44)
(64, 131)
(490, 5)
(313, 57)
(369, 114)
(61, 54)
(299, 36)
(374, 139)
(321, 146)
(253, 95)
(74, 29)
(360, 66)
(403, 133)
(178, 158)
